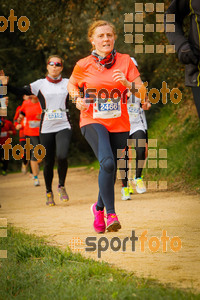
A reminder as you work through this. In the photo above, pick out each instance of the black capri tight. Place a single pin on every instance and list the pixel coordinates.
(105, 145)
(55, 143)
(140, 153)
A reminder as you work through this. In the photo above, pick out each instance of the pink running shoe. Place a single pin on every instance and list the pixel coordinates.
(113, 223)
(99, 223)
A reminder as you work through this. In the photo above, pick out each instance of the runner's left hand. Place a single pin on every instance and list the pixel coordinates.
(146, 104)
(119, 76)
(80, 104)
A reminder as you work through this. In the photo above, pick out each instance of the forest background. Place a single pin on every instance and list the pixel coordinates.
(60, 27)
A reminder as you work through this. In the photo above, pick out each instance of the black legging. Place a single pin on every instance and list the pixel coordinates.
(140, 153)
(196, 95)
(105, 145)
(55, 142)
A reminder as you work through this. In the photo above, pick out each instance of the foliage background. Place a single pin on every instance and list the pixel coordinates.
(60, 26)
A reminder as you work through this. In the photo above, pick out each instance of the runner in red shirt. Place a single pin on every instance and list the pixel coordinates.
(105, 123)
(19, 125)
(6, 130)
(31, 109)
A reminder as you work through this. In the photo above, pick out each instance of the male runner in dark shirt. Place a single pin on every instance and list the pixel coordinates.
(188, 49)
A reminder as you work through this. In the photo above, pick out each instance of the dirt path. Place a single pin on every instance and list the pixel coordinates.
(24, 206)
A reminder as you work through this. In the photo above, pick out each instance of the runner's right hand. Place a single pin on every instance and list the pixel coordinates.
(18, 126)
(80, 104)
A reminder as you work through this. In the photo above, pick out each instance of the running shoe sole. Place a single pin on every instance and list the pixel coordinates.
(126, 198)
(139, 191)
(36, 182)
(115, 226)
(50, 203)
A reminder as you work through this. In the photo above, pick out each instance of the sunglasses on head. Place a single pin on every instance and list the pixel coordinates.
(52, 63)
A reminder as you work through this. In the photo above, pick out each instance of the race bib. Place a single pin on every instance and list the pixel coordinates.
(106, 110)
(53, 115)
(133, 110)
(34, 124)
(4, 134)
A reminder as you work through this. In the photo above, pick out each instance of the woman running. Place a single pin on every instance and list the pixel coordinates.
(31, 110)
(19, 125)
(55, 128)
(104, 75)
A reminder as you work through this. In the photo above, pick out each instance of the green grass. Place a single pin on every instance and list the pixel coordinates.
(36, 270)
(90, 165)
(94, 165)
